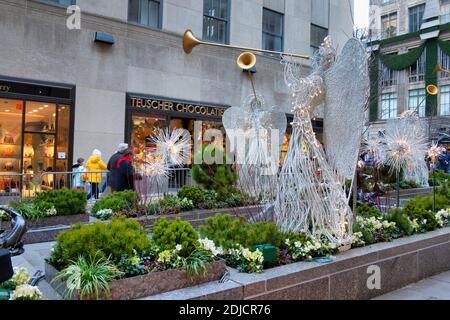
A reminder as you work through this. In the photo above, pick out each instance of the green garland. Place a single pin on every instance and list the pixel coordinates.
(431, 77)
(402, 61)
(445, 46)
(374, 80)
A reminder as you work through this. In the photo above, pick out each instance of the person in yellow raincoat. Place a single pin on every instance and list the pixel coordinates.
(95, 164)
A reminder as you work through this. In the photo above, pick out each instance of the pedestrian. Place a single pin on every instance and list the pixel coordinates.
(112, 164)
(78, 180)
(124, 174)
(95, 165)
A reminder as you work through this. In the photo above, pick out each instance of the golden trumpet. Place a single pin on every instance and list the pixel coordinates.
(432, 90)
(246, 60)
(190, 42)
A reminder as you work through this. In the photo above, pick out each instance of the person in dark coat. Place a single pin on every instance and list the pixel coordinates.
(112, 164)
(124, 173)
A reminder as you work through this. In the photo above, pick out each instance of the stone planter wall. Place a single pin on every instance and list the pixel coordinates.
(46, 229)
(402, 262)
(149, 284)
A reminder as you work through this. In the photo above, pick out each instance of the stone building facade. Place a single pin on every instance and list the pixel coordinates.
(64, 94)
(408, 39)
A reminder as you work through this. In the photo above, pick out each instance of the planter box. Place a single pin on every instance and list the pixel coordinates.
(401, 263)
(149, 284)
(46, 229)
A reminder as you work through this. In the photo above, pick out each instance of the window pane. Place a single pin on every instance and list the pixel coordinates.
(62, 141)
(144, 12)
(272, 22)
(215, 20)
(39, 152)
(40, 117)
(415, 17)
(318, 34)
(10, 139)
(133, 11)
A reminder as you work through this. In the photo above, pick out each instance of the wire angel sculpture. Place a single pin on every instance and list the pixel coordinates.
(311, 195)
(256, 132)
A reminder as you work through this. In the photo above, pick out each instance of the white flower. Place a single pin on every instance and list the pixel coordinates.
(26, 292)
(51, 212)
(179, 247)
(21, 276)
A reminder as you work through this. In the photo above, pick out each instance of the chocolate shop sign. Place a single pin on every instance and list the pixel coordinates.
(164, 105)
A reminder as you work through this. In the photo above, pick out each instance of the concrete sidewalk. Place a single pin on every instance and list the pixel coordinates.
(434, 288)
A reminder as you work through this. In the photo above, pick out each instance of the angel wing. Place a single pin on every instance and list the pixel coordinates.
(347, 90)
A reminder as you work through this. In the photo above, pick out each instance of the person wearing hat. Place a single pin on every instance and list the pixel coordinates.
(125, 172)
(112, 165)
(95, 165)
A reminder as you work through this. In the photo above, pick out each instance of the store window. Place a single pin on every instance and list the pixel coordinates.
(145, 12)
(388, 105)
(389, 25)
(415, 17)
(445, 101)
(273, 30)
(216, 16)
(11, 112)
(416, 101)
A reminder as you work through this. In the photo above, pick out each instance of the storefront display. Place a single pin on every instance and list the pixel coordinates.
(35, 130)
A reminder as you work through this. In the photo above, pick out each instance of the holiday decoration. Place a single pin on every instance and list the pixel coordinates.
(311, 196)
(260, 131)
(174, 147)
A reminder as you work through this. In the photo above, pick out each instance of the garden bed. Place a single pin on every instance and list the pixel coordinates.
(149, 284)
(198, 217)
(401, 262)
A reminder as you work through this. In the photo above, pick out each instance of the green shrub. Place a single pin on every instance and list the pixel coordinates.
(216, 177)
(367, 211)
(116, 201)
(406, 184)
(170, 205)
(66, 202)
(153, 208)
(227, 232)
(440, 178)
(193, 193)
(262, 233)
(425, 218)
(442, 202)
(168, 234)
(401, 220)
(115, 239)
(28, 209)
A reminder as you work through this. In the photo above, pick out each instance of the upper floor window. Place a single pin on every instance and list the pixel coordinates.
(445, 101)
(145, 12)
(444, 2)
(62, 2)
(444, 61)
(318, 34)
(389, 25)
(216, 15)
(417, 69)
(445, 13)
(273, 30)
(383, 2)
(388, 105)
(416, 101)
(415, 17)
(389, 77)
